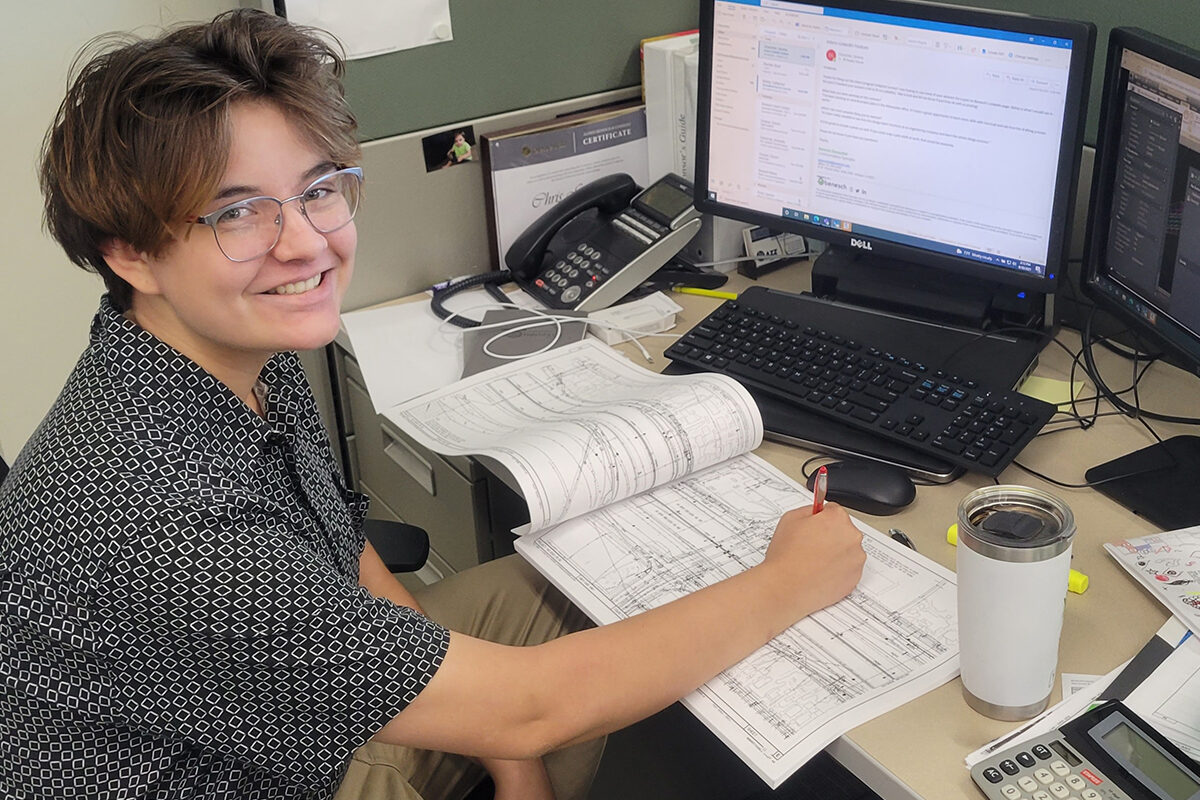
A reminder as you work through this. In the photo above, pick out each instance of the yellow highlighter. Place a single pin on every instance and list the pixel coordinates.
(705, 292)
(1077, 582)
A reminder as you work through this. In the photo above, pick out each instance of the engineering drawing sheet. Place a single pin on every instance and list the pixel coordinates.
(580, 426)
(894, 638)
(641, 488)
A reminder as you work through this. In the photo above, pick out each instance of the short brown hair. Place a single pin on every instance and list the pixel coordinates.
(142, 138)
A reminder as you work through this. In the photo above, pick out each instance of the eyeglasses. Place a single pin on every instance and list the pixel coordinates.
(249, 229)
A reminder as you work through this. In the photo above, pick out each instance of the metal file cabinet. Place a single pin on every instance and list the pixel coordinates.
(465, 510)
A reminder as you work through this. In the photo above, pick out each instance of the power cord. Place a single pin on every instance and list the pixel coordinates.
(1131, 409)
(1141, 363)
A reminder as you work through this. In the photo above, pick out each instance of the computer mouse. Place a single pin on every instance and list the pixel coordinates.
(871, 487)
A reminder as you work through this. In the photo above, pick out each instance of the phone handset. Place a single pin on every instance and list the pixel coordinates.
(603, 241)
(607, 195)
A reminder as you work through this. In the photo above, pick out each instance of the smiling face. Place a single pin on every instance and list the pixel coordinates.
(231, 317)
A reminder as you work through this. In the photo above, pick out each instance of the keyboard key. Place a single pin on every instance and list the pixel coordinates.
(949, 445)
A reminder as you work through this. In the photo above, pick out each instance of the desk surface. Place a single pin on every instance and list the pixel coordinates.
(1102, 627)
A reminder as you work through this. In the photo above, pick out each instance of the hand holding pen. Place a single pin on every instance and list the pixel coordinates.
(820, 485)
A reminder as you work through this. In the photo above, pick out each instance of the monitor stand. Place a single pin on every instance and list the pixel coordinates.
(1158, 482)
(871, 281)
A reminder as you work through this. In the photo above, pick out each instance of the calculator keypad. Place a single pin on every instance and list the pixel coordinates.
(1035, 772)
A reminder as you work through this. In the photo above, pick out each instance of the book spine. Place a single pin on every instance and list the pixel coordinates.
(658, 88)
(642, 52)
(685, 73)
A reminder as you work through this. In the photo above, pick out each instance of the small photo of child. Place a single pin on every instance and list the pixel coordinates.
(447, 148)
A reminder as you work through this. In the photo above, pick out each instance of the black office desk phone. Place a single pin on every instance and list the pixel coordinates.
(1108, 753)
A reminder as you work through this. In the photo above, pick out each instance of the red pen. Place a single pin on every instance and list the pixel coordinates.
(819, 485)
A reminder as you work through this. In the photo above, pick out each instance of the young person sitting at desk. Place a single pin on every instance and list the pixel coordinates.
(189, 606)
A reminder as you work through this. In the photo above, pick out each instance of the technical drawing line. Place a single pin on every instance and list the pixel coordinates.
(892, 639)
(580, 427)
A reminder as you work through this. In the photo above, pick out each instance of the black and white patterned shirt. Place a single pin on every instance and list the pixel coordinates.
(179, 608)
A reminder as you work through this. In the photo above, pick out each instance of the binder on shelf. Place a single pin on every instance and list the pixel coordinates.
(670, 85)
(642, 51)
(664, 85)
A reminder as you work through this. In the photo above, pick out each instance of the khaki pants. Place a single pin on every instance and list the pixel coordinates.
(504, 601)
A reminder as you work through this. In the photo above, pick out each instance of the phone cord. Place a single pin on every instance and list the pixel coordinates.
(490, 281)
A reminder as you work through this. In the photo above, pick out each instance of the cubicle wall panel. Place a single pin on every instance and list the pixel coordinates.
(417, 228)
(509, 54)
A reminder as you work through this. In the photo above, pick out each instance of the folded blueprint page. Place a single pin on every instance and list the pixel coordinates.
(581, 426)
(894, 638)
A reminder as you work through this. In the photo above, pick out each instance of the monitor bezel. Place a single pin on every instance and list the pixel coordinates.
(1082, 33)
(1172, 338)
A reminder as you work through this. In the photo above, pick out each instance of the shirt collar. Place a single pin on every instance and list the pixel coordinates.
(168, 385)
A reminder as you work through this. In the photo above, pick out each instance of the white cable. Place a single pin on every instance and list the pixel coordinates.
(512, 327)
(723, 261)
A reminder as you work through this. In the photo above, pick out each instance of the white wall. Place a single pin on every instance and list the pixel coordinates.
(46, 303)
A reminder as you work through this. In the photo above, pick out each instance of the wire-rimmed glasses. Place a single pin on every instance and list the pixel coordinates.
(249, 229)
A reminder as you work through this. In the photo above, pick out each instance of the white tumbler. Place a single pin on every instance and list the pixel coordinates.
(1014, 556)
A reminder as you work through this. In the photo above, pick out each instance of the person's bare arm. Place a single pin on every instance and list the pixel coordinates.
(512, 702)
(526, 778)
(377, 579)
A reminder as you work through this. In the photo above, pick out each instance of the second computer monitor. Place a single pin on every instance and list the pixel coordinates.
(936, 136)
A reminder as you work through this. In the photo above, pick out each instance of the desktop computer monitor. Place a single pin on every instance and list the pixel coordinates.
(934, 148)
(1142, 253)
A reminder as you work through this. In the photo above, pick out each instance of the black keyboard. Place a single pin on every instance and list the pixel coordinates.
(771, 345)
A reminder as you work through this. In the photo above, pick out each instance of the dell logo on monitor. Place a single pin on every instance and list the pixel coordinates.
(861, 244)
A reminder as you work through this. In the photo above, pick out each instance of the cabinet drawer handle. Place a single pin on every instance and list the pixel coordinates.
(410, 461)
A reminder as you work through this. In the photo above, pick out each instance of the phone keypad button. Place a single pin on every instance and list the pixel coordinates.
(571, 294)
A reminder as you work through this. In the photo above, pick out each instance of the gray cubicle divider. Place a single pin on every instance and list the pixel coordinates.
(511, 54)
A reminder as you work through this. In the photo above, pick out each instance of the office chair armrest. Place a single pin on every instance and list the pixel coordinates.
(402, 547)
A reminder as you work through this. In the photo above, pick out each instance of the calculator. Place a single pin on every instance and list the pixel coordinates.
(1108, 753)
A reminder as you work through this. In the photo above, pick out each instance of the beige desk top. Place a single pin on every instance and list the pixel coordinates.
(923, 743)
